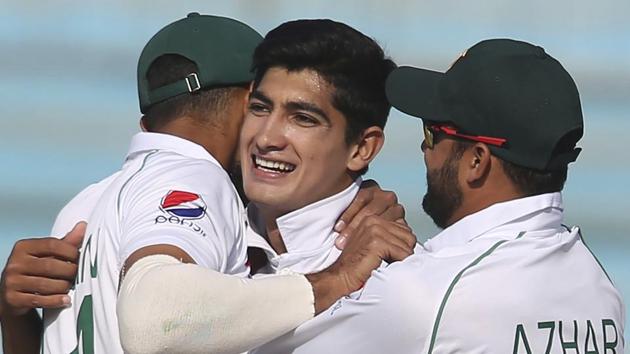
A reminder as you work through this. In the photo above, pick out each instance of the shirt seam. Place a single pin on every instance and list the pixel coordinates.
(144, 162)
(594, 257)
(459, 275)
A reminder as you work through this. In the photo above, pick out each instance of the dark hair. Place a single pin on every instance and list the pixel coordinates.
(532, 182)
(347, 59)
(201, 105)
(528, 181)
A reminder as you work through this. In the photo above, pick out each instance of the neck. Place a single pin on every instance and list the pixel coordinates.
(270, 231)
(269, 215)
(274, 237)
(217, 143)
(476, 200)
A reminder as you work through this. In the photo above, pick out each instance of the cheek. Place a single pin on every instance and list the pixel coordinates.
(429, 160)
(248, 131)
(329, 157)
(436, 157)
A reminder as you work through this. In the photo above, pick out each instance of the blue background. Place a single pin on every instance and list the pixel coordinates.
(68, 103)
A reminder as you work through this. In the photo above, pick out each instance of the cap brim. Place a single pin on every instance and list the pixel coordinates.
(415, 91)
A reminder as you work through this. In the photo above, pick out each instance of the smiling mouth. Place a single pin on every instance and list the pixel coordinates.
(272, 166)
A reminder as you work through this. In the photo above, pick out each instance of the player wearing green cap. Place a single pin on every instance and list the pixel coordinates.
(505, 275)
(173, 202)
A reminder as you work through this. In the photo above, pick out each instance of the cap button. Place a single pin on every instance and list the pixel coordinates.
(193, 14)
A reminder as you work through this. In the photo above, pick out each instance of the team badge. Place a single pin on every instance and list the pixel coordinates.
(183, 204)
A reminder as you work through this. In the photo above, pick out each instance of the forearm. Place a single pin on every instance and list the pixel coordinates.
(21, 334)
(164, 304)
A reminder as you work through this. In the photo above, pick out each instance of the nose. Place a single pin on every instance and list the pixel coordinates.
(272, 134)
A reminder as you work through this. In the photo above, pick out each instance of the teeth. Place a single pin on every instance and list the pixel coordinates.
(274, 165)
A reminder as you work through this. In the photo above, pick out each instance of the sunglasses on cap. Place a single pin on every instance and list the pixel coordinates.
(430, 130)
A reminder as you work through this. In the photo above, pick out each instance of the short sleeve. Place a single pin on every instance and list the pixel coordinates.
(80, 207)
(197, 211)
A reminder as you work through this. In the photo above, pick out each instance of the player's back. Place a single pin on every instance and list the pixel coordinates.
(159, 197)
(509, 279)
(535, 294)
(77, 209)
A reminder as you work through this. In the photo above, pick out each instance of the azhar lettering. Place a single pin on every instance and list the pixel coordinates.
(587, 337)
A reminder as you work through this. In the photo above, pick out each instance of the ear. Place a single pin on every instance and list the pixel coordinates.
(476, 163)
(143, 125)
(250, 89)
(365, 149)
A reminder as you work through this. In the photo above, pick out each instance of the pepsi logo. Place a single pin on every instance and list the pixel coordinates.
(184, 205)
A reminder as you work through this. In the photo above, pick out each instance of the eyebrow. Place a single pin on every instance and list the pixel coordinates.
(292, 105)
(307, 106)
(261, 97)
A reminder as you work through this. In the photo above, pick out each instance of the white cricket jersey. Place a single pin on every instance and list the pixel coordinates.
(169, 191)
(508, 279)
(307, 234)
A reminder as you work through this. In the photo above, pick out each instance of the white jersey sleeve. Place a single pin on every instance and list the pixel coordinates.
(80, 207)
(195, 209)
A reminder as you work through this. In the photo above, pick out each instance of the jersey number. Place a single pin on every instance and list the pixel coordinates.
(85, 328)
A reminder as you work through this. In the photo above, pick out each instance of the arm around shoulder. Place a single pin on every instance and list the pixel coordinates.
(164, 303)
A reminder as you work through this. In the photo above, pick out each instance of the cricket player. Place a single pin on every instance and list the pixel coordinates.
(308, 88)
(160, 211)
(505, 275)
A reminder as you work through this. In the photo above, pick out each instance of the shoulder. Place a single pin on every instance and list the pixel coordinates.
(168, 168)
(80, 206)
(410, 291)
(169, 175)
(423, 272)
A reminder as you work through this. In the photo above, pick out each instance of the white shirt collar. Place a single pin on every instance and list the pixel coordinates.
(307, 233)
(535, 212)
(145, 141)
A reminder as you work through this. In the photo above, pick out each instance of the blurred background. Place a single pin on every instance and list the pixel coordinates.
(68, 102)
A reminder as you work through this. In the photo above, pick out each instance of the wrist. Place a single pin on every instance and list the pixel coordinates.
(328, 286)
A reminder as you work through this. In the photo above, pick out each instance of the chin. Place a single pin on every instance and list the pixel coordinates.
(269, 198)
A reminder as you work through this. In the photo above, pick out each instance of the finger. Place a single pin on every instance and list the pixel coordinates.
(359, 202)
(387, 248)
(390, 231)
(378, 205)
(396, 252)
(50, 268)
(366, 221)
(402, 226)
(43, 286)
(370, 184)
(25, 300)
(340, 242)
(52, 247)
(394, 212)
(363, 197)
(399, 223)
(75, 236)
(402, 222)
(395, 249)
(402, 234)
(365, 212)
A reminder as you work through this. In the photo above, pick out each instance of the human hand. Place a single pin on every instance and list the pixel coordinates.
(370, 200)
(39, 273)
(375, 240)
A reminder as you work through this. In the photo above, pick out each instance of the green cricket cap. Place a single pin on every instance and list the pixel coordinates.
(222, 48)
(500, 88)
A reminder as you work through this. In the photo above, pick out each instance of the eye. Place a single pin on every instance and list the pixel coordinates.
(258, 108)
(305, 120)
